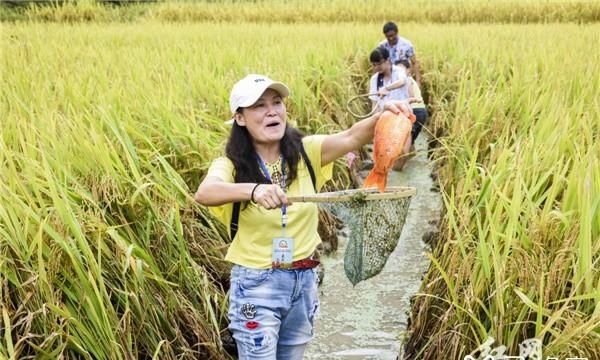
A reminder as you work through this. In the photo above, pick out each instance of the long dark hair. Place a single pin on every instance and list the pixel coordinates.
(240, 150)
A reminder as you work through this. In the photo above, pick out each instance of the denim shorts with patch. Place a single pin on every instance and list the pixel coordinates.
(271, 307)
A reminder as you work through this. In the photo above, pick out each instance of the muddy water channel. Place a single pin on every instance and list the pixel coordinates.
(367, 321)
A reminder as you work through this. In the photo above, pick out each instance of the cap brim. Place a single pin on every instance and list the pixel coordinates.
(280, 88)
(277, 86)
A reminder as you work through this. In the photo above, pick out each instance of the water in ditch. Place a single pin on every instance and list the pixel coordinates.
(367, 321)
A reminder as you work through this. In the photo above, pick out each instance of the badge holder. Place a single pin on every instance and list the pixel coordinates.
(283, 250)
(283, 246)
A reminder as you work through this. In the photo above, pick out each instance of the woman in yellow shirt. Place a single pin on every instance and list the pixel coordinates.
(273, 294)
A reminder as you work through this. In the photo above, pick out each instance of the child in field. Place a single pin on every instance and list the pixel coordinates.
(418, 108)
(416, 102)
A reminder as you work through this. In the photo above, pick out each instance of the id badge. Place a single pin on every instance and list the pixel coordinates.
(283, 250)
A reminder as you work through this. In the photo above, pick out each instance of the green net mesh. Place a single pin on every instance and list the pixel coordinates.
(375, 224)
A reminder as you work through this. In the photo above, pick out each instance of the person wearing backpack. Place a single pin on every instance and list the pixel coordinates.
(389, 82)
(273, 295)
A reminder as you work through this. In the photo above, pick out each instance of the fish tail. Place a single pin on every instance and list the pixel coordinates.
(375, 179)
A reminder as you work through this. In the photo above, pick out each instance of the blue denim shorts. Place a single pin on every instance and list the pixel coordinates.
(271, 309)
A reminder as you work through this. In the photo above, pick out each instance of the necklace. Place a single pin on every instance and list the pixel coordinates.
(275, 172)
(275, 163)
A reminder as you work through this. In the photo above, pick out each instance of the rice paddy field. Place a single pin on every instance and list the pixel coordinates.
(110, 117)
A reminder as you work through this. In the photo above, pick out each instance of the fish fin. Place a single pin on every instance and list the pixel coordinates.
(375, 179)
(412, 118)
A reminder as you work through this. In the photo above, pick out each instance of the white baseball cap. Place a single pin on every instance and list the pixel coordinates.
(246, 91)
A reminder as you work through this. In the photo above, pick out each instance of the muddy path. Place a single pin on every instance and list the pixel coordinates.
(367, 321)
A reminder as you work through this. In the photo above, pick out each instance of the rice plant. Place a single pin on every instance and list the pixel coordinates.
(298, 11)
(108, 127)
(516, 113)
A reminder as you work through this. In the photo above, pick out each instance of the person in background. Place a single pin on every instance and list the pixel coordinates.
(400, 49)
(273, 295)
(416, 102)
(388, 82)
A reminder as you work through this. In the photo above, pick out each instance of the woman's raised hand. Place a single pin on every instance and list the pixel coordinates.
(270, 196)
(396, 106)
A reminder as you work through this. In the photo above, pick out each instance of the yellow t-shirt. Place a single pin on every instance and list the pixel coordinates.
(257, 226)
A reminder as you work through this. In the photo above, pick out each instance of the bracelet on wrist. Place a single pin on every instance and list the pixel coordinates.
(252, 193)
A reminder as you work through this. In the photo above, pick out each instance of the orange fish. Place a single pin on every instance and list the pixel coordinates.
(392, 131)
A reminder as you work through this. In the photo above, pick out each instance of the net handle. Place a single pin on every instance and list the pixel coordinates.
(348, 195)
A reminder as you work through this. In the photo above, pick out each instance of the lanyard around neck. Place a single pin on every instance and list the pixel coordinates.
(266, 173)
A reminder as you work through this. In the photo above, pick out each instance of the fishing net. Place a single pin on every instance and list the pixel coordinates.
(375, 221)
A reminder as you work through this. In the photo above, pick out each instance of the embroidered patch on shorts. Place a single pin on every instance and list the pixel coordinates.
(251, 325)
(249, 310)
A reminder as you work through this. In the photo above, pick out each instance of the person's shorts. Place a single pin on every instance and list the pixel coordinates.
(271, 307)
(421, 115)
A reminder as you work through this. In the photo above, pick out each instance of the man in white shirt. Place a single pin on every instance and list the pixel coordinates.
(400, 48)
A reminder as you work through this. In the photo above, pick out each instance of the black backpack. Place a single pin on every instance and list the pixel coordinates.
(235, 215)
